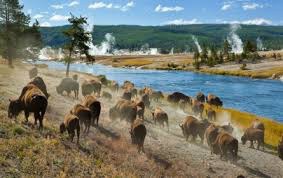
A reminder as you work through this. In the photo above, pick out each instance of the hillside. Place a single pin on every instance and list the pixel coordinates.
(167, 37)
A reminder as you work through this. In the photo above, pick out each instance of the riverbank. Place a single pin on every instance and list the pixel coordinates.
(106, 151)
(263, 69)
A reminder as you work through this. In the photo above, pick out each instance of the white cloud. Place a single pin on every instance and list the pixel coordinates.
(38, 16)
(58, 6)
(226, 7)
(59, 18)
(29, 11)
(73, 3)
(161, 8)
(182, 22)
(251, 6)
(45, 24)
(257, 21)
(100, 5)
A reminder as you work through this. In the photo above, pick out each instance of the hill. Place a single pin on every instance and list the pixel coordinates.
(168, 37)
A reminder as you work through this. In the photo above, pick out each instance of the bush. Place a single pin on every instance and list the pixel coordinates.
(17, 130)
(243, 67)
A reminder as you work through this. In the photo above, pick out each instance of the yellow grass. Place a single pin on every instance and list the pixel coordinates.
(267, 73)
(273, 130)
(133, 62)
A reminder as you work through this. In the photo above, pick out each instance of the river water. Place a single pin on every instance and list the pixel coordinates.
(261, 97)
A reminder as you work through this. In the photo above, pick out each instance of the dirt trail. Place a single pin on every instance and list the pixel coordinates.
(168, 150)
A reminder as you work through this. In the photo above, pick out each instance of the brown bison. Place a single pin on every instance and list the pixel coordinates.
(91, 87)
(156, 96)
(214, 100)
(183, 104)
(106, 95)
(84, 115)
(258, 125)
(145, 90)
(33, 72)
(134, 92)
(128, 85)
(225, 143)
(211, 114)
(94, 106)
(68, 85)
(114, 86)
(38, 81)
(252, 134)
(197, 107)
(161, 117)
(280, 149)
(140, 109)
(177, 96)
(124, 109)
(32, 100)
(194, 127)
(75, 77)
(71, 124)
(145, 100)
(127, 96)
(211, 134)
(200, 97)
(138, 133)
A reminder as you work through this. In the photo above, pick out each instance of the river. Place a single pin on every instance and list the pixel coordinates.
(257, 96)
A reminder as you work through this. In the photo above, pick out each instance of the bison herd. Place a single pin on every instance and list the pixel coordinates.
(131, 107)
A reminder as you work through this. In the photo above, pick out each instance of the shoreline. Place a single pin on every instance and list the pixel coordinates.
(240, 118)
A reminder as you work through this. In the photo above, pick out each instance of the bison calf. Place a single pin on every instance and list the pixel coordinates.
(160, 117)
(71, 124)
(138, 133)
(84, 115)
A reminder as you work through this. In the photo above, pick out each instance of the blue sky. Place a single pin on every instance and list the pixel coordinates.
(157, 12)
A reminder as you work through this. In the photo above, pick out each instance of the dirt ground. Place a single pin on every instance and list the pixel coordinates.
(167, 154)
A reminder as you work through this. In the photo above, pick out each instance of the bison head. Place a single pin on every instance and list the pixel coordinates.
(59, 89)
(15, 107)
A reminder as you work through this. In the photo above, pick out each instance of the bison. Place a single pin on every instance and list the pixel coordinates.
(211, 134)
(94, 106)
(106, 95)
(124, 109)
(140, 109)
(225, 143)
(227, 128)
(127, 95)
(258, 125)
(252, 134)
(91, 87)
(33, 100)
(114, 86)
(161, 117)
(33, 72)
(214, 100)
(280, 149)
(138, 133)
(145, 100)
(177, 96)
(200, 97)
(128, 85)
(68, 85)
(194, 127)
(156, 96)
(71, 124)
(197, 107)
(84, 115)
(39, 82)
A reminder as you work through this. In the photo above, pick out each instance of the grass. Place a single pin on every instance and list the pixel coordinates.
(273, 130)
(133, 62)
(260, 74)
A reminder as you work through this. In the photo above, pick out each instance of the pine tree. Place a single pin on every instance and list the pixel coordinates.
(226, 48)
(204, 55)
(13, 22)
(78, 39)
(196, 59)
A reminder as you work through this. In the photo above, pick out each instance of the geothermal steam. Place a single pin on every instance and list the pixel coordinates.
(234, 40)
(197, 44)
(105, 48)
(48, 53)
(259, 44)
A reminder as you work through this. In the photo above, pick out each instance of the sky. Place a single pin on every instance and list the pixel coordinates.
(156, 12)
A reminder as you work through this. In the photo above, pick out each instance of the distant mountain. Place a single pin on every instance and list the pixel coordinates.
(178, 37)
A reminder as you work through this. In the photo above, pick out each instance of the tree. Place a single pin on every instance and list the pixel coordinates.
(196, 59)
(13, 22)
(226, 48)
(204, 55)
(249, 47)
(78, 39)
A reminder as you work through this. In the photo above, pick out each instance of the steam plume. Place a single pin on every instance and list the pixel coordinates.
(234, 40)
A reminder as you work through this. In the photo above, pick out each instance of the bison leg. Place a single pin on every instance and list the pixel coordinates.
(26, 115)
(252, 144)
(36, 117)
(78, 134)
